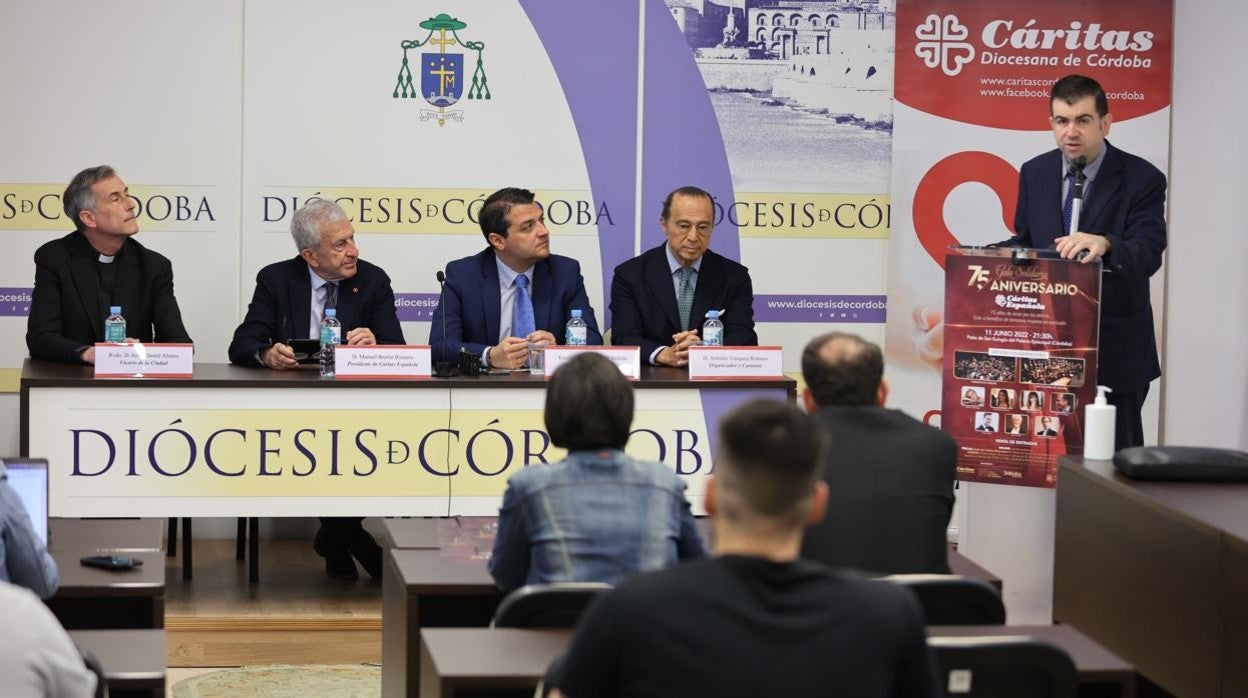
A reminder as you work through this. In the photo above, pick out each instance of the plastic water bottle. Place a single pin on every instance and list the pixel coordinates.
(331, 335)
(713, 330)
(577, 334)
(114, 326)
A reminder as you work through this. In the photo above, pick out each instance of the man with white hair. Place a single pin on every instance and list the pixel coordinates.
(289, 303)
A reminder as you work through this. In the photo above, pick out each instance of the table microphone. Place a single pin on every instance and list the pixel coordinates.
(443, 369)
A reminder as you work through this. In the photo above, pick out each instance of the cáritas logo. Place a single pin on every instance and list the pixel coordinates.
(942, 44)
(442, 73)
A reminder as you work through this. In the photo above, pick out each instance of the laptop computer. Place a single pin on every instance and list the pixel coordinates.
(29, 478)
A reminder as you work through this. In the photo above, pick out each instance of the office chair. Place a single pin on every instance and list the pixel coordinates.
(1004, 667)
(546, 605)
(950, 599)
(101, 685)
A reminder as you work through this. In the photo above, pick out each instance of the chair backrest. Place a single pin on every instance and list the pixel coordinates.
(101, 685)
(1013, 667)
(950, 599)
(546, 605)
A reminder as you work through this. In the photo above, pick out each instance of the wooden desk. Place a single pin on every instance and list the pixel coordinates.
(1101, 672)
(423, 589)
(410, 534)
(1157, 572)
(133, 660)
(960, 564)
(94, 599)
(455, 660)
(106, 534)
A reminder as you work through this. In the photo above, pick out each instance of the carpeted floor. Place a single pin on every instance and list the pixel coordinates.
(284, 681)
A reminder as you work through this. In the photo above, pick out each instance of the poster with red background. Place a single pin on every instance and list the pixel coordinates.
(1020, 360)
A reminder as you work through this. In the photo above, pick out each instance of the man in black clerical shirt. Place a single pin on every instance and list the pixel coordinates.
(79, 276)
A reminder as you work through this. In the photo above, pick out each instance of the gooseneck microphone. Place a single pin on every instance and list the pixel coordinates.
(443, 369)
(1076, 204)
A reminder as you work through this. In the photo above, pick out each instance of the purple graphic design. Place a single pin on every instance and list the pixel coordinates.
(717, 403)
(415, 307)
(593, 48)
(14, 302)
(681, 140)
(819, 308)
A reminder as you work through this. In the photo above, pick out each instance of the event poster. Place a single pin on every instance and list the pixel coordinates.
(1020, 361)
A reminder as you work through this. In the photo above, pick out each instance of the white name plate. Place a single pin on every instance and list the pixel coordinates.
(735, 363)
(140, 360)
(627, 359)
(382, 361)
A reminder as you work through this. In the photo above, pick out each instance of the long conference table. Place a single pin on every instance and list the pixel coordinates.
(1157, 572)
(233, 441)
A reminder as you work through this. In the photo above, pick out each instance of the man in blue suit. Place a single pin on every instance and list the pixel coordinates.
(1122, 224)
(660, 298)
(289, 303)
(512, 293)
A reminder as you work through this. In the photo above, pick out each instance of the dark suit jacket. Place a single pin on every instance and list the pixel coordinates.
(890, 493)
(472, 304)
(643, 301)
(1125, 203)
(67, 313)
(281, 308)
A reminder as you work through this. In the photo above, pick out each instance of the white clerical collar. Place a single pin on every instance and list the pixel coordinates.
(107, 259)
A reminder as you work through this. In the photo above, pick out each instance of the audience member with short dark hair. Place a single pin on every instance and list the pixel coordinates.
(599, 515)
(890, 477)
(754, 620)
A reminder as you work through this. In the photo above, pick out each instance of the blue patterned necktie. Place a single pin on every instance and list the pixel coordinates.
(1069, 204)
(522, 324)
(684, 300)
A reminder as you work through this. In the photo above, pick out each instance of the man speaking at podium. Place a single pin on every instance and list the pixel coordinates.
(1122, 223)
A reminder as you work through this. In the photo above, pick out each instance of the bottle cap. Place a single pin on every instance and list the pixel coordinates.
(576, 312)
(114, 310)
(714, 314)
(331, 312)
(1100, 395)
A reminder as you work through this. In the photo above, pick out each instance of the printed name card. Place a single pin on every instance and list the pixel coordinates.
(735, 363)
(140, 360)
(627, 359)
(382, 361)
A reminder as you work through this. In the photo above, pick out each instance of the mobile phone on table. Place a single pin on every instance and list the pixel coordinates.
(111, 562)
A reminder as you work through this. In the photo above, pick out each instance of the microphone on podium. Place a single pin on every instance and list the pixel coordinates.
(1076, 205)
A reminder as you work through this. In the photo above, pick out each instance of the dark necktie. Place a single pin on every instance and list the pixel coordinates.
(684, 300)
(522, 324)
(1069, 204)
(331, 297)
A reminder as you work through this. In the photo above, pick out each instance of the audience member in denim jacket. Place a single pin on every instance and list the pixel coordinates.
(598, 515)
(24, 560)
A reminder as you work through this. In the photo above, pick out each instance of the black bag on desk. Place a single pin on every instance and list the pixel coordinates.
(1182, 463)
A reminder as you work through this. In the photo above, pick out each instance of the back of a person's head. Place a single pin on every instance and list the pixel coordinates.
(768, 463)
(843, 370)
(589, 405)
